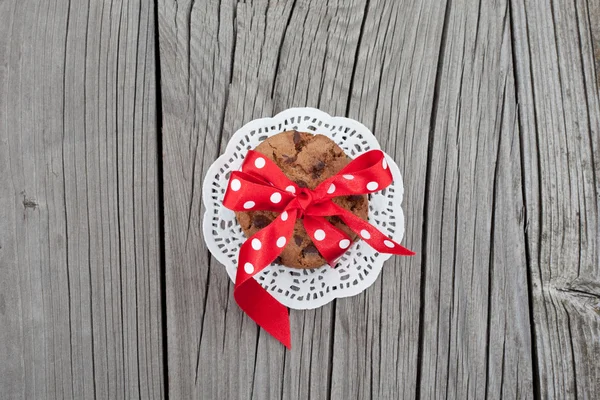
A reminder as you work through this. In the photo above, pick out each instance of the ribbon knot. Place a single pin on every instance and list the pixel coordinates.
(304, 199)
(261, 185)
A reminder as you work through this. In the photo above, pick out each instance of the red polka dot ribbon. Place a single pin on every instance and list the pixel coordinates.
(261, 185)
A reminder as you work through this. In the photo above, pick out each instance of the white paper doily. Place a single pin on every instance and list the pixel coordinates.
(358, 268)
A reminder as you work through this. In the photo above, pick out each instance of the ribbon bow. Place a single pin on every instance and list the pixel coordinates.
(261, 185)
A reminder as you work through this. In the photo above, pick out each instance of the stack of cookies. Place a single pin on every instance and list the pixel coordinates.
(307, 160)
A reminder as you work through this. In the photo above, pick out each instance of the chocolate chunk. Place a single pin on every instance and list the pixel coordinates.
(310, 249)
(297, 137)
(288, 159)
(297, 140)
(277, 260)
(298, 240)
(318, 168)
(335, 220)
(355, 197)
(301, 183)
(260, 221)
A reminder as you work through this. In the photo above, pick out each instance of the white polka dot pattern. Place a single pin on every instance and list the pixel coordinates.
(248, 268)
(275, 197)
(256, 244)
(236, 185)
(260, 162)
(372, 186)
(319, 234)
(249, 204)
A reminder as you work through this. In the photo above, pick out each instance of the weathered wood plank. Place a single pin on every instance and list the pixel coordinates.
(478, 321)
(284, 54)
(593, 12)
(560, 122)
(309, 63)
(376, 345)
(80, 313)
(196, 44)
(476, 328)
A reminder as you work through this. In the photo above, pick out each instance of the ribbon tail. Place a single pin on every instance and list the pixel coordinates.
(255, 254)
(370, 234)
(267, 312)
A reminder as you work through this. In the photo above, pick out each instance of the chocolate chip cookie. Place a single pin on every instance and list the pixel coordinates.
(307, 160)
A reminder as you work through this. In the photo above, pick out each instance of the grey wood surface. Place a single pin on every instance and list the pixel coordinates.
(440, 84)
(112, 111)
(80, 303)
(476, 332)
(560, 124)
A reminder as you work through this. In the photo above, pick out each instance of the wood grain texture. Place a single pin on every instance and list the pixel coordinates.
(80, 313)
(196, 45)
(476, 336)
(491, 108)
(593, 12)
(215, 79)
(560, 125)
(376, 334)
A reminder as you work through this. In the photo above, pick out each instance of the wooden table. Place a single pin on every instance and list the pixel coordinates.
(111, 112)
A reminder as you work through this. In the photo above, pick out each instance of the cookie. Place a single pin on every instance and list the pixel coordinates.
(307, 160)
